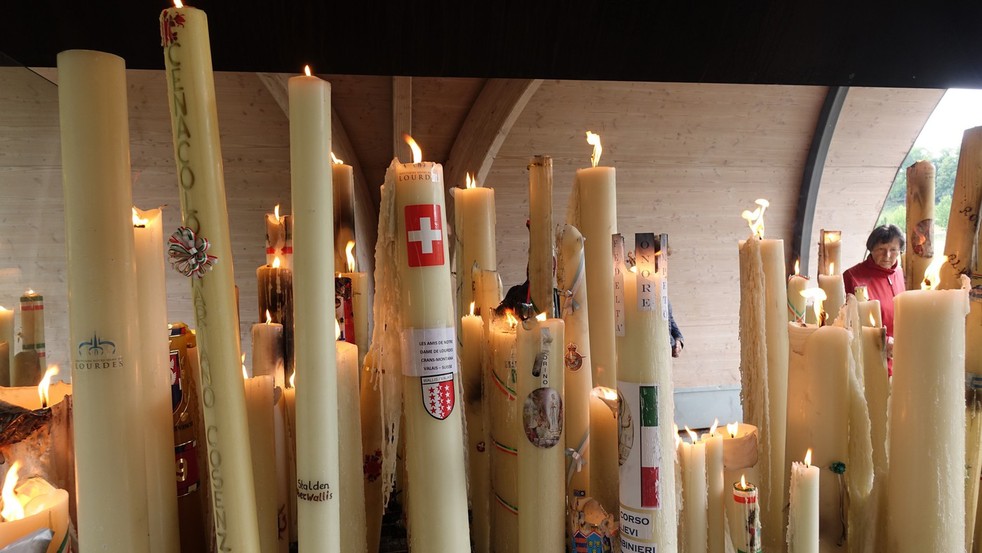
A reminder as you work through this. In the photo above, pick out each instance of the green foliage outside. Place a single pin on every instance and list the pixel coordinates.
(945, 164)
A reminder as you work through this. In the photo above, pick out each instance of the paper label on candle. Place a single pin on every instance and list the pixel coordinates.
(640, 450)
(429, 351)
(344, 308)
(619, 268)
(542, 417)
(644, 255)
(438, 395)
(97, 353)
(186, 457)
(424, 235)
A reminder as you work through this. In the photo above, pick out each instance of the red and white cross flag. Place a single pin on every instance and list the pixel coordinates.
(424, 235)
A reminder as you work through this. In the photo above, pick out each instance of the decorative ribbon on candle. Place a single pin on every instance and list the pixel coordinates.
(510, 392)
(576, 455)
(511, 508)
(189, 253)
(503, 448)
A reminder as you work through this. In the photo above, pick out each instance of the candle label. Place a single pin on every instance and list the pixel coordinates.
(639, 448)
(429, 351)
(344, 308)
(186, 457)
(97, 353)
(438, 395)
(424, 235)
(644, 255)
(542, 417)
(619, 268)
(749, 522)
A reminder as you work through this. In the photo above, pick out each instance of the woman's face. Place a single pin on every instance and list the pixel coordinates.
(886, 254)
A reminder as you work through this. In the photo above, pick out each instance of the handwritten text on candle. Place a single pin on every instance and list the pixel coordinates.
(314, 490)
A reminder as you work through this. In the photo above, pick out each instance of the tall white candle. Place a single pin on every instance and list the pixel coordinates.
(352, 488)
(318, 507)
(716, 491)
(542, 236)
(109, 452)
(835, 293)
(259, 409)
(505, 433)
(474, 227)
(472, 352)
(803, 518)
(267, 351)
(796, 302)
(694, 496)
(155, 375)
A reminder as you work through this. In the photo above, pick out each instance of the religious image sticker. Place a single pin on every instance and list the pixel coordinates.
(438, 395)
(424, 235)
(625, 430)
(573, 359)
(542, 417)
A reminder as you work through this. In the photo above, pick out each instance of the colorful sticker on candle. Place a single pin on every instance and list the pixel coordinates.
(344, 308)
(573, 358)
(186, 457)
(372, 466)
(170, 20)
(591, 528)
(920, 241)
(542, 417)
(97, 353)
(438, 395)
(749, 540)
(429, 351)
(639, 446)
(617, 241)
(424, 235)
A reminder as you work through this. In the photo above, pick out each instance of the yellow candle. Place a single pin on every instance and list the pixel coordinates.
(571, 280)
(201, 183)
(830, 252)
(6, 336)
(694, 496)
(877, 391)
(542, 236)
(437, 518)
(869, 310)
(927, 422)
(259, 408)
(504, 436)
(349, 433)
(33, 505)
(604, 483)
(472, 354)
(155, 380)
(318, 508)
(487, 295)
(803, 524)
(474, 225)
(109, 454)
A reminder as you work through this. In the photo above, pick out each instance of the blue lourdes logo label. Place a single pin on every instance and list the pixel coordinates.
(97, 353)
(96, 346)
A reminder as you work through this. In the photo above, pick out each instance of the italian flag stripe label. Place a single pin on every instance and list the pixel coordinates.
(650, 454)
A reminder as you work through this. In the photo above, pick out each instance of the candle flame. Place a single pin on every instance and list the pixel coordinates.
(712, 429)
(541, 316)
(755, 218)
(417, 152)
(30, 292)
(276, 262)
(808, 457)
(45, 385)
(693, 437)
(818, 296)
(137, 220)
(832, 236)
(472, 309)
(510, 316)
(337, 329)
(634, 269)
(245, 374)
(831, 267)
(349, 256)
(12, 508)
(594, 140)
(293, 379)
(335, 160)
(608, 396)
(269, 318)
(178, 4)
(797, 267)
(276, 213)
(731, 429)
(2, 308)
(932, 274)
(743, 482)
(872, 319)
(306, 70)
(469, 181)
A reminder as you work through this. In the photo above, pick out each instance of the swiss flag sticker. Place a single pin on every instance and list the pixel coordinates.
(424, 235)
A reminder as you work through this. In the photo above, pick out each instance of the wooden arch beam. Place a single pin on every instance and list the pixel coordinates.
(818, 153)
(487, 125)
(366, 207)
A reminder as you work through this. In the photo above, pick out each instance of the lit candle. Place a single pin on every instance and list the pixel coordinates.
(927, 422)
(109, 454)
(796, 302)
(201, 183)
(830, 252)
(267, 350)
(275, 287)
(437, 518)
(474, 225)
(869, 310)
(279, 238)
(920, 220)
(694, 495)
(471, 369)
(32, 506)
(604, 435)
(356, 331)
(344, 210)
(290, 408)
(505, 434)
(744, 516)
(318, 507)
(259, 408)
(835, 292)
(571, 281)
(349, 434)
(6, 344)
(716, 490)
(155, 381)
(803, 523)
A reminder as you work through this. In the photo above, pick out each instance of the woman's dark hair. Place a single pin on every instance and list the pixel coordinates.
(884, 234)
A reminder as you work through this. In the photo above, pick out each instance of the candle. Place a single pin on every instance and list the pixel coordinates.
(796, 302)
(290, 408)
(542, 236)
(571, 281)
(275, 286)
(437, 518)
(765, 385)
(267, 350)
(920, 220)
(279, 238)
(604, 483)
(963, 222)
(32, 327)
(349, 434)
(344, 210)
(505, 434)
(5, 363)
(109, 454)
(201, 184)
(6, 344)
(803, 518)
(835, 292)
(471, 368)
(877, 388)
(870, 313)
(474, 225)
(318, 508)
(694, 495)
(744, 516)
(32, 506)
(830, 252)
(155, 381)
(281, 447)
(259, 408)
(927, 422)
(372, 438)
(357, 331)
(715, 489)
(487, 294)
(647, 478)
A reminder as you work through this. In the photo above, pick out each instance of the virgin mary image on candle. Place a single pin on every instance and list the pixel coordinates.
(543, 417)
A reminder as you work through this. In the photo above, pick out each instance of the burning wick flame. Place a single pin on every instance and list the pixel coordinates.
(417, 153)
(45, 385)
(831, 267)
(139, 221)
(608, 396)
(712, 429)
(276, 262)
(932, 275)
(30, 292)
(2, 308)
(178, 4)
(541, 317)
(306, 70)
(872, 319)
(808, 457)
(245, 375)
(293, 378)
(818, 296)
(743, 483)
(510, 316)
(335, 160)
(337, 329)
(276, 212)
(269, 318)
(594, 140)
(472, 309)
(797, 267)
(755, 218)
(12, 508)
(693, 437)
(678, 439)
(349, 256)
(469, 181)
(731, 429)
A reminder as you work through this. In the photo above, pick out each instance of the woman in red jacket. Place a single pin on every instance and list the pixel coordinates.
(880, 273)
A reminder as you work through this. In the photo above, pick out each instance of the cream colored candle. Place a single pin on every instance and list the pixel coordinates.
(963, 222)
(803, 518)
(360, 304)
(743, 514)
(478, 457)
(155, 373)
(267, 351)
(437, 518)
(541, 451)
(281, 446)
(6, 336)
(279, 238)
(474, 227)
(5, 363)
(542, 237)
(32, 326)
(371, 445)
(715, 490)
(38, 506)
(352, 489)
(290, 408)
(870, 313)
(259, 409)
(877, 392)
(920, 221)
(344, 210)
(694, 519)
(505, 432)
(645, 434)
(487, 295)
(198, 155)
(318, 507)
(835, 292)
(830, 252)
(604, 484)
(105, 352)
(927, 423)
(571, 281)
(796, 302)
